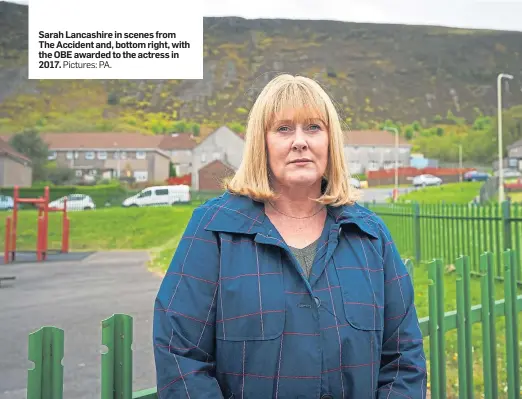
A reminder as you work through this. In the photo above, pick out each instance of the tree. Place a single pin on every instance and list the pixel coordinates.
(59, 175)
(29, 143)
(195, 130)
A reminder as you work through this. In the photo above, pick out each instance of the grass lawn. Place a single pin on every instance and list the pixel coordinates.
(516, 197)
(450, 193)
(158, 230)
(106, 229)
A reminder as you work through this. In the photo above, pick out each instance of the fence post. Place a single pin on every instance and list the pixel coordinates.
(409, 268)
(512, 356)
(506, 223)
(116, 367)
(45, 380)
(416, 232)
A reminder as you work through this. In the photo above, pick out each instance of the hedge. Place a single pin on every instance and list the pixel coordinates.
(100, 194)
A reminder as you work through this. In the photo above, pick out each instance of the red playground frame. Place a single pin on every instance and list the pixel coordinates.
(42, 203)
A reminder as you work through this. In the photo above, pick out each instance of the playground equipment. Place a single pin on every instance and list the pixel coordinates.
(42, 204)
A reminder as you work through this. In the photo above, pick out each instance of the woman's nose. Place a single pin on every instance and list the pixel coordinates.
(299, 140)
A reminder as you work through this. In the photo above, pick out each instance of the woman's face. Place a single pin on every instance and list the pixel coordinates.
(297, 150)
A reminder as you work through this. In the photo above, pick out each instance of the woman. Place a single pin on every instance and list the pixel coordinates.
(284, 287)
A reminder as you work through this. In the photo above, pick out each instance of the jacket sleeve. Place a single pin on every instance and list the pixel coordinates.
(184, 315)
(403, 361)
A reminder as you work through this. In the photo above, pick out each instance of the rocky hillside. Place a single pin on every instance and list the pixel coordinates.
(375, 72)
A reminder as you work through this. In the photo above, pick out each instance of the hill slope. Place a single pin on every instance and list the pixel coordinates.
(375, 72)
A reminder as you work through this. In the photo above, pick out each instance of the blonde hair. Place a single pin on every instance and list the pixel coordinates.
(303, 94)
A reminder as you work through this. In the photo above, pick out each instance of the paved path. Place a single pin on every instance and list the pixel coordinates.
(380, 194)
(76, 296)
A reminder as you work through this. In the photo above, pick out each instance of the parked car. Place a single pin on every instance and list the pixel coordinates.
(159, 195)
(6, 202)
(75, 202)
(355, 182)
(510, 174)
(475, 175)
(426, 180)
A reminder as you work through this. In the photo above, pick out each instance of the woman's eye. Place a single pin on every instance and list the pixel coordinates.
(314, 127)
(282, 129)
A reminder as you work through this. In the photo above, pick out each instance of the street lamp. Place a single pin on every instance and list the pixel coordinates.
(393, 129)
(499, 131)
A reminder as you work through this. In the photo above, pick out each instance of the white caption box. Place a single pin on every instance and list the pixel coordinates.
(115, 39)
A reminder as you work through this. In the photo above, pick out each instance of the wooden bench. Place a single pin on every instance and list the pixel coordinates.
(6, 279)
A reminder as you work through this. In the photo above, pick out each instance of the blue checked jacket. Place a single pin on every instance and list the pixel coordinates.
(236, 318)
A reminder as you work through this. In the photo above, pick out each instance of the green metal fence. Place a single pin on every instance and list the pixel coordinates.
(426, 231)
(46, 346)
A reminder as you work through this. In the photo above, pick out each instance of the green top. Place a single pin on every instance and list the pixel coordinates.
(305, 256)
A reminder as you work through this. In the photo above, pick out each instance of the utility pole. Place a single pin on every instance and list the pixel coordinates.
(499, 131)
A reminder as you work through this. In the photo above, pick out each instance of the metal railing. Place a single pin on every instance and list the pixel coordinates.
(46, 346)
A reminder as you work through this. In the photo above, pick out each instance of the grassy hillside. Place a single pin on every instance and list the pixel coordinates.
(375, 72)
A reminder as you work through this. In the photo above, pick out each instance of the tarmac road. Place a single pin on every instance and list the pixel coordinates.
(380, 194)
(76, 296)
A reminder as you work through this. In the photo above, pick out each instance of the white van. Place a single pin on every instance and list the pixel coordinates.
(160, 195)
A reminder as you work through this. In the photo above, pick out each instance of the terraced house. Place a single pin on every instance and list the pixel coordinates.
(179, 146)
(110, 155)
(368, 150)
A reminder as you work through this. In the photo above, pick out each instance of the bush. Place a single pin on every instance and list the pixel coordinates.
(360, 177)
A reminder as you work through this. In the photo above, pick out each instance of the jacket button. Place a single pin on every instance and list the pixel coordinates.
(317, 301)
(327, 397)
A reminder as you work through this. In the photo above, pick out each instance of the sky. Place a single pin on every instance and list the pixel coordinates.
(480, 14)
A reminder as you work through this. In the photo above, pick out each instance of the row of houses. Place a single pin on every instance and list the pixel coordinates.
(147, 158)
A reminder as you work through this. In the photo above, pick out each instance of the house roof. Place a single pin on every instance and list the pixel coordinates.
(101, 140)
(177, 141)
(6, 149)
(220, 129)
(218, 162)
(377, 138)
(517, 143)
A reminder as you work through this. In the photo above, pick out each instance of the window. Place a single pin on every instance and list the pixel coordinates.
(78, 173)
(216, 155)
(355, 167)
(89, 155)
(144, 194)
(119, 155)
(69, 155)
(203, 157)
(102, 154)
(141, 175)
(141, 155)
(52, 155)
(162, 191)
(373, 165)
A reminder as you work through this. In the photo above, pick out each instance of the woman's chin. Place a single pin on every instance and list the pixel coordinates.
(302, 180)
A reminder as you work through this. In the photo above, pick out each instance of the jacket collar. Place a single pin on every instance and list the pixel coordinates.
(240, 214)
